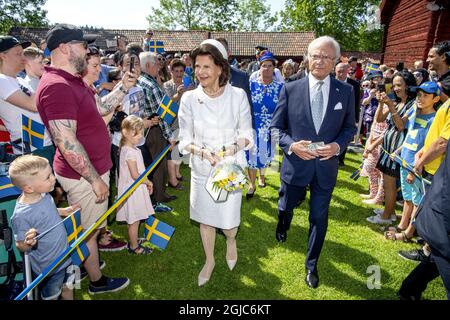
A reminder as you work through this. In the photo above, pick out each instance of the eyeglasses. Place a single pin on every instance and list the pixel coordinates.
(365, 85)
(84, 43)
(417, 74)
(317, 57)
(161, 59)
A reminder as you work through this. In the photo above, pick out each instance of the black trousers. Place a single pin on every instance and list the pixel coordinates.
(289, 198)
(416, 282)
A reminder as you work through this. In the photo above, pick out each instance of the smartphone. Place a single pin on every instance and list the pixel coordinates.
(381, 87)
(132, 63)
(186, 81)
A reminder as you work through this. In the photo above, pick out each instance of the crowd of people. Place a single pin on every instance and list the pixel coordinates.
(236, 111)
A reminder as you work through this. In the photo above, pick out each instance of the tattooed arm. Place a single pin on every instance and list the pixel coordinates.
(64, 136)
(110, 102)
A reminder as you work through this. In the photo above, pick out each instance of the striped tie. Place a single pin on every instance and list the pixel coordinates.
(317, 106)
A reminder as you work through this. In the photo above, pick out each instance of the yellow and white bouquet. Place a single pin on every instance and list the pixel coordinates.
(229, 176)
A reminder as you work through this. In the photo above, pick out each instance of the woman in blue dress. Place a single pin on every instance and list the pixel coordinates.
(265, 92)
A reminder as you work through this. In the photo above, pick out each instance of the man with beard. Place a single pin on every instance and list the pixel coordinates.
(82, 162)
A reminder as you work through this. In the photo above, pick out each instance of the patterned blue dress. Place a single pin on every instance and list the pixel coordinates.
(264, 102)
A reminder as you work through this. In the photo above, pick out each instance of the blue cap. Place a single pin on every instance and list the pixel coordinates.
(375, 74)
(267, 56)
(430, 87)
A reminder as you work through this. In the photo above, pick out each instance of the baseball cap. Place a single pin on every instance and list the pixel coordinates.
(375, 74)
(64, 33)
(430, 87)
(261, 48)
(8, 42)
(267, 56)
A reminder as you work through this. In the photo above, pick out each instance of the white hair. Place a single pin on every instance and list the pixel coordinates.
(326, 39)
(147, 57)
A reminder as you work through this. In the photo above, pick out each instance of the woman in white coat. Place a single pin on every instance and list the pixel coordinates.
(215, 123)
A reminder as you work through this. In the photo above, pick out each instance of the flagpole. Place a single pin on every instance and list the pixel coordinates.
(92, 228)
(28, 277)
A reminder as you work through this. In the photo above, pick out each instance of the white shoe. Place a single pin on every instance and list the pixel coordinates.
(378, 220)
(231, 264)
(378, 211)
(202, 280)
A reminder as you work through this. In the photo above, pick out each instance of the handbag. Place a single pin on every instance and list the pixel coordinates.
(217, 194)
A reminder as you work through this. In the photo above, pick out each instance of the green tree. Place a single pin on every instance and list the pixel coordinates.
(177, 14)
(255, 15)
(23, 13)
(220, 15)
(214, 15)
(346, 20)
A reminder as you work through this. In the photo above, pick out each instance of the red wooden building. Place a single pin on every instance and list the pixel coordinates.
(411, 27)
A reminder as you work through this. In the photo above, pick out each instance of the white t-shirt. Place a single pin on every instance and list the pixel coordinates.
(11, 114)
(132, 104)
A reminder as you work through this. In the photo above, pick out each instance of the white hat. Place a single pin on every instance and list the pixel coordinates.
(218, 45)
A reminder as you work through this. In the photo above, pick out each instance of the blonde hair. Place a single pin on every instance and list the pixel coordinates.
(26, 167)
(130, 124)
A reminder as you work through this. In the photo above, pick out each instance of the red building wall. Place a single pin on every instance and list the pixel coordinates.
(411, 30)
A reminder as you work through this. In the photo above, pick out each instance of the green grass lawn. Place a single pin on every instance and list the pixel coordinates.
(267, 269)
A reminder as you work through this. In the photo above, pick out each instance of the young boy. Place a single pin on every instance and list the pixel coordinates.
(36, 212)
(419, 121)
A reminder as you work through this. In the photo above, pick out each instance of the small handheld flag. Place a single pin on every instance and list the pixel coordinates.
(33, 132)
(168, 110)
(74, 231)
(355, 175)
(156, 46)
(158, 232)
(406, 165)
(7, 189)
(370, 67)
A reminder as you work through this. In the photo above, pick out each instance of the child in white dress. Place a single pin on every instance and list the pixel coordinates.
(138, 206)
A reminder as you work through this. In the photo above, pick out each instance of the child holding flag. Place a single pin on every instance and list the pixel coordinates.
(36, 211)
(131, 165)
(420, 118)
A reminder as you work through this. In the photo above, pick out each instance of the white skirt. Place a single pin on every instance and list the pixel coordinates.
(223, 215)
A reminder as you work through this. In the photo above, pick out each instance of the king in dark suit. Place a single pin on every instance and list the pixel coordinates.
(315, 109)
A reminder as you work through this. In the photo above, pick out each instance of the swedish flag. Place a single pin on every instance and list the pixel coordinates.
(168, 110)
(33, 132)
(355, 175)
(74, 231)
(370, 67)
(158, 232)
(156, 46)
(7, 189)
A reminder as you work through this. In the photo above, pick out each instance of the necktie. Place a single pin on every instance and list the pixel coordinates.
(317, 106)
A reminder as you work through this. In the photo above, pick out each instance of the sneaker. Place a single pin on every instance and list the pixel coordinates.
(160, 207)
(113, 246)
(416, 255)
(112, 285)
(379, 212)
(83, 272)
(378, 220)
